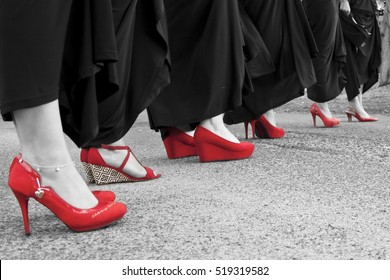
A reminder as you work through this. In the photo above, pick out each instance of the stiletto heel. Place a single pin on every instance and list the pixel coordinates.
(349, 116)
(252, 123)
(87, 167)
(352, 112)
(104, 173)
(177, 143)
(266, 130)
(328, 122)
(23, 202)
(211, 147)
(314, 115)
(25, 183)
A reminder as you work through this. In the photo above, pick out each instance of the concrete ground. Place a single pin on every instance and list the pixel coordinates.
(315, 194)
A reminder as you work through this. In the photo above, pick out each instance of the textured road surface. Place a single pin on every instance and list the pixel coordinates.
(315, 194)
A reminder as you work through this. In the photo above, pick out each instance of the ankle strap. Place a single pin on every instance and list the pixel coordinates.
(38, 167)
(115, 148)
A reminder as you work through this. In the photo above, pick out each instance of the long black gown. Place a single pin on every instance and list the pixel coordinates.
(324, 20)
(32, 35)
(363, 43)
(208, 70)
(116, 63)
(284, 28)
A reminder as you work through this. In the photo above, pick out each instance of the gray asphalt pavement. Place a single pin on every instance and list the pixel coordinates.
(315, 194)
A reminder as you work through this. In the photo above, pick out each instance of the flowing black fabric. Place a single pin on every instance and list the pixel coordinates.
(208, 71)
(363, 44)
(258, 59)
(116, 63)
(323, 17)
(32, 36)
(283, 26)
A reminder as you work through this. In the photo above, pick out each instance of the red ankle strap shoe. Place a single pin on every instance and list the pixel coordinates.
(104, 173)
(25, 182)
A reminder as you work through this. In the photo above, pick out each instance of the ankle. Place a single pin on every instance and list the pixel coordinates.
(221, 131)
(120, 142)
(358, 108)
(120, 159)
(270, 117)
(113, 157)
(47, 159)
(67, 183)
(324, 108)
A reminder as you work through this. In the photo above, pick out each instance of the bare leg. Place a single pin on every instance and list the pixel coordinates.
(270, 116)
(324, 109)
(115, 158)
(356, 104)
(217, 126)
(43, 144)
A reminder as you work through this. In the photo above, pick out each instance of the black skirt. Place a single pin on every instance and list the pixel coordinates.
(363, 44)
(116, 63)
(32, 35)
(323, 17)
(283, 26)
(208, 71)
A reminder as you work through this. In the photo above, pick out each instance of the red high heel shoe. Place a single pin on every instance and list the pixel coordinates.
(328, 122)
(352, 112)
(87, 167)
(252, 123)
(178, 144)
(211, 147)
(106, 174)
(25, 183)
(266, 130)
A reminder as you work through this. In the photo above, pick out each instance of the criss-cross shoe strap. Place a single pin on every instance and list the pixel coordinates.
(115, 148)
